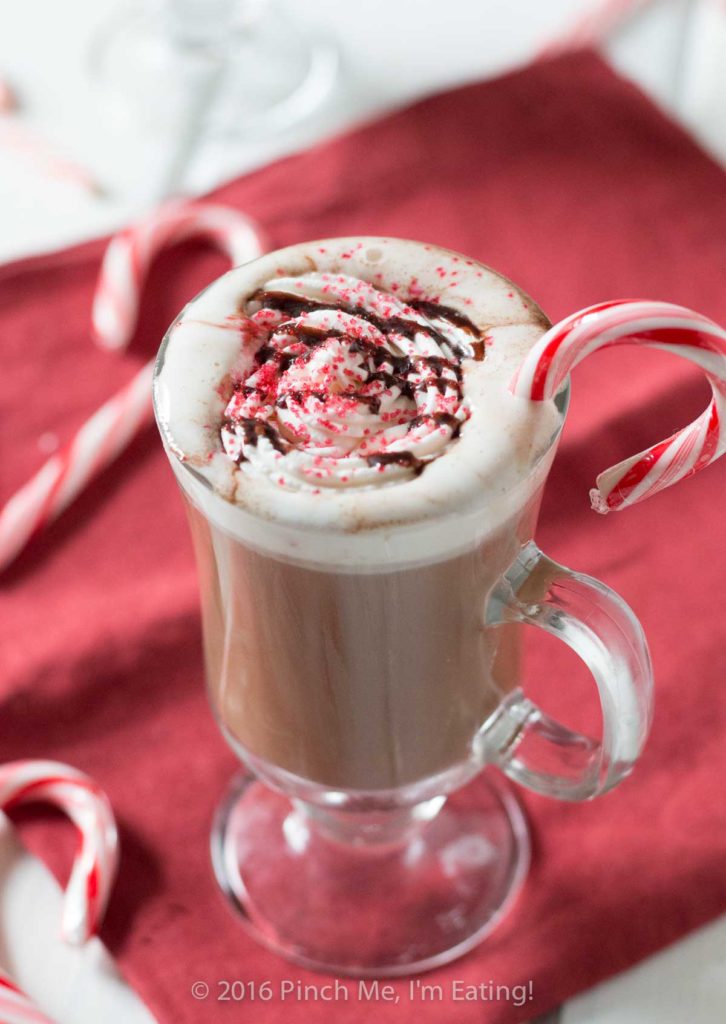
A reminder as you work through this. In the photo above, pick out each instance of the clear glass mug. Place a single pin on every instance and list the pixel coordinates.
(365, 699)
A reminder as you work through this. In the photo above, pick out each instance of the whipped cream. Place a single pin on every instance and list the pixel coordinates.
(346, 401)
(348, 387)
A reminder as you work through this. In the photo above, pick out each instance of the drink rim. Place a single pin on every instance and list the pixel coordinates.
(561, 399)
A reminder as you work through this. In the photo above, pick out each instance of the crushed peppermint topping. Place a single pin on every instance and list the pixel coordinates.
(345, 384)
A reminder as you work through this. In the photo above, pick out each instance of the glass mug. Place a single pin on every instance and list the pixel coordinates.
(365, 695)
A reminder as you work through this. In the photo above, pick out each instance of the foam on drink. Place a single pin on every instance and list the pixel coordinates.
(339, 389)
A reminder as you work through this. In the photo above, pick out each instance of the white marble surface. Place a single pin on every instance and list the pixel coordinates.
(674, 49)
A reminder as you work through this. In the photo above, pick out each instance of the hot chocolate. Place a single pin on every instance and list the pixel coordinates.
(358, 478)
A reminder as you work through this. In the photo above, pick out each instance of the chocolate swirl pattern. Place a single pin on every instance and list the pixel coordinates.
(343, 385)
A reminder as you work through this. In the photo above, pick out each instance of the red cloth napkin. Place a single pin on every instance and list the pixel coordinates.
(567, 179)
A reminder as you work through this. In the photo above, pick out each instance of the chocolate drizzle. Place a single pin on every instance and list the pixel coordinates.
(439, 419)
(295, 307)
(379, 370)
(478, 350)
(406, 459)
(435, 311)
(253, 430)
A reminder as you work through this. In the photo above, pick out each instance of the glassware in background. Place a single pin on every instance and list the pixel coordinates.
(196, 68)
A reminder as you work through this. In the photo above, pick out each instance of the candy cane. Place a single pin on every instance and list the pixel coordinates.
(16, 1007)
(94, 867)
(130, 253)
(110, 429)
(657, 325)
(593, 26)
(85, 803)
(69, 471)
(39, 153)
(21, 138)
(8, 99)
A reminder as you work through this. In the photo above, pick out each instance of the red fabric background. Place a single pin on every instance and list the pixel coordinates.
(569, 181)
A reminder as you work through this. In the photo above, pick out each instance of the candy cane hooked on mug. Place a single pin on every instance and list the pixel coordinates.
(94, 867)
(116, 305)
(657, 325)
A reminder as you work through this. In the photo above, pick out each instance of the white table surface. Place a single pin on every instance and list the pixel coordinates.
(674, 49)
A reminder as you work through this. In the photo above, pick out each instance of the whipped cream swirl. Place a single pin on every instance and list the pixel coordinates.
(343, 385)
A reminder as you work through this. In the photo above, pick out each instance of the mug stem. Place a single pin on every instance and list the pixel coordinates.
(375, 828)
(371, 893)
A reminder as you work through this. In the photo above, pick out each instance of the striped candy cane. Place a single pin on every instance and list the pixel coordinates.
(94, 867)
(18, 137)
(116, 306)
(657, 325)
(39, 154)
(130, 254)
(16, 1007)
(69, 471)
(85, 803)
(593, 26)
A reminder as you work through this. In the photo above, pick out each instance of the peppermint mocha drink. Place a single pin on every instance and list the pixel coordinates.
(362, 488)
(358, 477)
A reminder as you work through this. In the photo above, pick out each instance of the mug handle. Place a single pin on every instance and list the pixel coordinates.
(528, 745)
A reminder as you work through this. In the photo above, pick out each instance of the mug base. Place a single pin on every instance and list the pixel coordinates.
(380, 910)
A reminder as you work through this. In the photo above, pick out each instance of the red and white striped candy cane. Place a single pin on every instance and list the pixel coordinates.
(129, 256)
(593, 26)
(85, 803)
(110, 429)
(97, 443)
(38, 153)
(94, 867)
(21, 138)
(16, 1007)
(657, 325)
